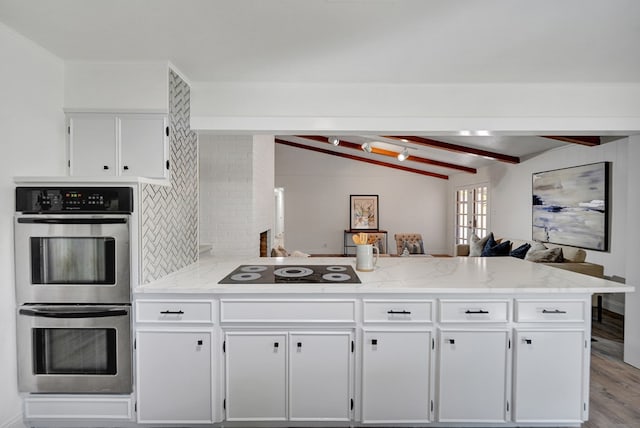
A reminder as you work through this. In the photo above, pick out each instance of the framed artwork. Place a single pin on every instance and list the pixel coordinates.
(363, 212)
(571, 206)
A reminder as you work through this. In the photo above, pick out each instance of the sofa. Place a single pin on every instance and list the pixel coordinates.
(574, 258)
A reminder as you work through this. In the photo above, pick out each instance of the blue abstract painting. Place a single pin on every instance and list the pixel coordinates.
(570, 206)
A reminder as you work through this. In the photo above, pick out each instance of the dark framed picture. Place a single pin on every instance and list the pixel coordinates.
(363, 212)
(571, 206)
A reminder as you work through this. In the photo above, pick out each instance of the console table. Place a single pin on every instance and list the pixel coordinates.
(348, 241)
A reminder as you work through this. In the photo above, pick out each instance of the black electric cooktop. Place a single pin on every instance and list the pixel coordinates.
(292, 274)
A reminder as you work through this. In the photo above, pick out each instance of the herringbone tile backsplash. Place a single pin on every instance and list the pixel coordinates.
(170, 213)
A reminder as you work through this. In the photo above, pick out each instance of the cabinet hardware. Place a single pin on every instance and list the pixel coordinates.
(105, 167)
(353, 346)
(126, 168)
(224, 404)
(276, 344)
(69, 163)
(167, 164)
(299, 345)
(224, 346)
(172, 312)
(351, 405)
(507, 406)
(433, 344)
(555, 311)
(479, 311)
(374, 342)
(166, 131)
(200, 342)
(392, 312)
(451, 341)
(527, 341)
(509, 344)
(432, 405)
(69, 130)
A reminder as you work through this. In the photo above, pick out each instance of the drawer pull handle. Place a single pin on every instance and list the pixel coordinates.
(479, 311)
(451, 341)
(392, 312)
(172, 312)
(555, 311)
(527, 341)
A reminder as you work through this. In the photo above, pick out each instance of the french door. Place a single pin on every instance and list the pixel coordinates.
(472, 212)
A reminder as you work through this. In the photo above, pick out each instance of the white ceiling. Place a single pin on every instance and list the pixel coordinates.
(401, 41)
(353, 41)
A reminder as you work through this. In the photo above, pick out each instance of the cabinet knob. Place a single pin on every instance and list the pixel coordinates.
(451, 341)
(374, 342)
(276, 345)
(105, 167)
(527, 341)
(125, 167)
(299, 345)
(200, 342)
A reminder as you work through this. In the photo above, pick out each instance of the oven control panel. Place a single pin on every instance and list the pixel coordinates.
(76, 199)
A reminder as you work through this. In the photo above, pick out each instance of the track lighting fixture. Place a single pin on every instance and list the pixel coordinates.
(403, 155)
(366, 147)
(334, 140)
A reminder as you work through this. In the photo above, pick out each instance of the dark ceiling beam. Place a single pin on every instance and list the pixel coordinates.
(361, 159)
(582, 140)
(389, 153)
(456, 148)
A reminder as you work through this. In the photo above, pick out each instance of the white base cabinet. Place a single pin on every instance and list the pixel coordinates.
(297, 376)
(474, 371)
(174, 376)
(549, 375)
(396, 376)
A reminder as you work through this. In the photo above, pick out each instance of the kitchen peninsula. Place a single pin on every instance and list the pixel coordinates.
(420, 340)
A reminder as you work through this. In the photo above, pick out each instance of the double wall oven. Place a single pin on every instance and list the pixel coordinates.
(72, 270)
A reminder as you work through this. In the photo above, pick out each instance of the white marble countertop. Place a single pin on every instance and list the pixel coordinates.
(393, 275)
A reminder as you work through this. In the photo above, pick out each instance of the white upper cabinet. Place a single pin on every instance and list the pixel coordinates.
(118, 145)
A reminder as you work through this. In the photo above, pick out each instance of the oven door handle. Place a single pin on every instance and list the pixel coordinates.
(72, 220)
(103, 313)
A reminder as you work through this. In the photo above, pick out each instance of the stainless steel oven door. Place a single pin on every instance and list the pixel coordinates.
(72, 259)
(74, 349)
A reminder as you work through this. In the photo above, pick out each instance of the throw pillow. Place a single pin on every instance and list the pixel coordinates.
(552, 255)
(521, 251)
(493, 249)
(476, 245)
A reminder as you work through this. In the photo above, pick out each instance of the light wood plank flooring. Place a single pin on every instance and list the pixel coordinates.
(615, 385)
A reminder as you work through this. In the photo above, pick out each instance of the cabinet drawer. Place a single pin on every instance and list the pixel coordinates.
(174, 311)
(287, 310)
(550, 310)
(398, 311)
(474, 311)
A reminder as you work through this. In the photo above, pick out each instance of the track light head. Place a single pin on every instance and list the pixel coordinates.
(403, 155)
(366, 147)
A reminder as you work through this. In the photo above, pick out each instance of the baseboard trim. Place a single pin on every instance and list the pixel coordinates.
(15, 422)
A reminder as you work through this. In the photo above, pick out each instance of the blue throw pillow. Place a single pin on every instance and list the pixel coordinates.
(493, 249)
(521, 251)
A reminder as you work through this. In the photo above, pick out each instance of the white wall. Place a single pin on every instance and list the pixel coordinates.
(116, 86)
(632, 303)
(510, 196)
(236, 192)
(317, 189)
(294, 108)
(32, 123)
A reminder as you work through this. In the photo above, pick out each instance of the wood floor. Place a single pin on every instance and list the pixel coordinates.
(615, 386)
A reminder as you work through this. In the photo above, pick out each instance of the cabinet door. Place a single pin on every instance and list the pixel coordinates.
(174, 376)
(143, 145)
(396, 376)
(320, 376)
(92, 145)
(256, 376)
(549, 376)
(473, 376)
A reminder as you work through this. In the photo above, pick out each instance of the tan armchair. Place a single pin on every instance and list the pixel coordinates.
(413, 240)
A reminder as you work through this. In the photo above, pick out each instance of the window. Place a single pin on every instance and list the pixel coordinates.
(471, 213)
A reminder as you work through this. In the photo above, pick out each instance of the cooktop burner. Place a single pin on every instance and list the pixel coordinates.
(291, 274)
